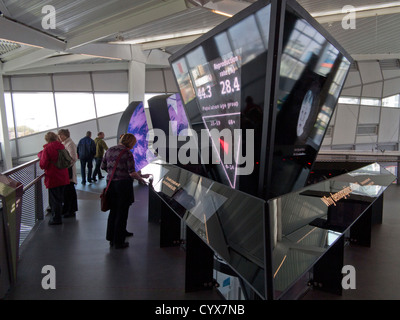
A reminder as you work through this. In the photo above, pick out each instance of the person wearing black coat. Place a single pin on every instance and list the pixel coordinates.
(86, 149)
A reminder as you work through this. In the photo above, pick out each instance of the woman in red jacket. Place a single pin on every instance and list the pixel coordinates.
(55, 179)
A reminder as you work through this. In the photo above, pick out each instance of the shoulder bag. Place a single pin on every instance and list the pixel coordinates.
(104, 201)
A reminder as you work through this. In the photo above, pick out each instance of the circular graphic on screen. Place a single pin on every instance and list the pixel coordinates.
(305, 111)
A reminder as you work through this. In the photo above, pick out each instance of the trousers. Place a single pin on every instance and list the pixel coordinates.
(121, 197)
(56, 199)
(97, 170)
(89, 163)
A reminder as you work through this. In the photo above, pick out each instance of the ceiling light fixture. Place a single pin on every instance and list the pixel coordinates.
(222, 13)
(21, 43)
(103, 57)
(358, 9)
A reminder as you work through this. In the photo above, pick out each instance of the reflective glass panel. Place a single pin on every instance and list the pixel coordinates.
(306, 223)
(222, 82)
(229, 221)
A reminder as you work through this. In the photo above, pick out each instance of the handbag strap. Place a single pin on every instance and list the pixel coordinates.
(115, 167)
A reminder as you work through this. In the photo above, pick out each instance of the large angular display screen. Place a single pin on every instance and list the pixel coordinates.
(269, 100)
(222, 83)
(311, 76)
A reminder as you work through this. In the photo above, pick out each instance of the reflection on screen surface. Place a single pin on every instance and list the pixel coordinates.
(312, 73)
(223, 85)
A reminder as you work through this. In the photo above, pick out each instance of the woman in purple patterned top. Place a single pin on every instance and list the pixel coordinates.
(120, 191)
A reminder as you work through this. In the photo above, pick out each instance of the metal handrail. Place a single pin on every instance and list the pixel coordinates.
(33, 182)
(20, 167)
(30, 175)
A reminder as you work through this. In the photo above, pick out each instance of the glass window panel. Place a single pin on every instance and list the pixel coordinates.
(370, 101)
(34, 112)
(73, 107)
(148, 96)
(109, 103)
(10, 116)
(391, 102)
(349, 100)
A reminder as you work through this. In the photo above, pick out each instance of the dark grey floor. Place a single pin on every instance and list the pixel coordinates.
(87, 268)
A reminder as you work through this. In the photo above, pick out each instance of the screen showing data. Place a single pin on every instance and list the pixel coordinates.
(222, 83)
(264, 130)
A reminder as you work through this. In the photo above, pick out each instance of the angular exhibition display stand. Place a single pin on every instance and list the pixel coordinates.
(261, 88)
(267, 80)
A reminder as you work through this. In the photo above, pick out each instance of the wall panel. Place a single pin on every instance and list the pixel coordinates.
(389, 125)
(345, 125)
(31, 83)
(72, 82)
(110, 81)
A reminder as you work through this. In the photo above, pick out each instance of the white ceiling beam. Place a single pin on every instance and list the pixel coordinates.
(52, 61)
(80, 67)
(130, 20)
(168, 42)
(104, 50)
(28, 59)
(16, 32)
(158, 58)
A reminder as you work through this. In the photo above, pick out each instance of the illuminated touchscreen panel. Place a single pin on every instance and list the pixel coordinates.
(278, 92)
(220, 81)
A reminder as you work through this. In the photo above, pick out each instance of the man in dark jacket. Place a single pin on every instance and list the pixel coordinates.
(86, 151)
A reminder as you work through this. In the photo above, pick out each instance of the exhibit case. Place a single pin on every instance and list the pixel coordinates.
(270, 245)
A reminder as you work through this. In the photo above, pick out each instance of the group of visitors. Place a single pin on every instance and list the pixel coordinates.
(61, 182)
(89, 150)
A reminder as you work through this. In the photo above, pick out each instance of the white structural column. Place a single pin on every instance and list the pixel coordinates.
(137, 78)
(4, 138)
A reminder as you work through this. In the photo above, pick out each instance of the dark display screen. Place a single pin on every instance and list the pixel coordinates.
(312, 73)
(271, 109)
(222, 83)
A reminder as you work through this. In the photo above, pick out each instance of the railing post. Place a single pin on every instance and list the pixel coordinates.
(38, 197)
